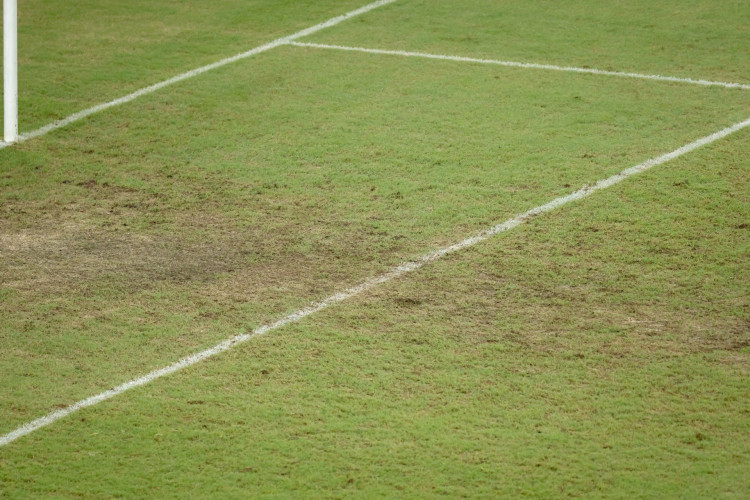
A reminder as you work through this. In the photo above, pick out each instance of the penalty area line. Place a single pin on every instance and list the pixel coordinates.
(80, 115)
(402, 269)
(515, 64)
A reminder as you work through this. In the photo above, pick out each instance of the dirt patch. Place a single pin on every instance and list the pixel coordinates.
(28, 241)
(74, 250)
(57, 258)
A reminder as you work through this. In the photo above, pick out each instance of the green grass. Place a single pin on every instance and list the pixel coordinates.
(692, 38)
(74, 55)
(600, 350)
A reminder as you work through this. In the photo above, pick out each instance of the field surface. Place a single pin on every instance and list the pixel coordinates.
(600, 349)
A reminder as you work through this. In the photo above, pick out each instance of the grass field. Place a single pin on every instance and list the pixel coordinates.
(598, 350)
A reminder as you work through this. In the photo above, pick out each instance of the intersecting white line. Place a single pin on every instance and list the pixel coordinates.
(405, 267)
(515, 64)
(195, 72)
(402, 269)
(290, 40)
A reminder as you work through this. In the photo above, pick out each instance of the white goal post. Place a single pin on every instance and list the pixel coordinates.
(10, 70)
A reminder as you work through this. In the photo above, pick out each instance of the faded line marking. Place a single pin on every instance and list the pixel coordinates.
(195, 72)
(515, 64)
(404, 268)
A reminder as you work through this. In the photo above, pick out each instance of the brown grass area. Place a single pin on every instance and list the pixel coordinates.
(122, 238)
(59, 257)
(557, 315)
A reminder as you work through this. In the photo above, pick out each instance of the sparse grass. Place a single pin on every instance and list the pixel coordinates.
(601, 350)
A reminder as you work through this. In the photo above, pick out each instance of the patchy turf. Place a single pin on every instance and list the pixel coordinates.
(599, 350)
(549, 361)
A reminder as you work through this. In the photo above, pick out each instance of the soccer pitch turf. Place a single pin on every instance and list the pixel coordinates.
(598, 349)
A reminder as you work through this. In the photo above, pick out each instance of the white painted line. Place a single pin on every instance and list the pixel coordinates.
(404, 268)
(515, 64)
(195, 72)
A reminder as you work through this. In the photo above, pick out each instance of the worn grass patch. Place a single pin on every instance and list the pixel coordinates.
(598, 350)
(548, 361)
(165, 226)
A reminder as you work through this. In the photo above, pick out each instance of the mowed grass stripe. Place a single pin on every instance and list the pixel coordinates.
(404, 268)
(124, 251)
